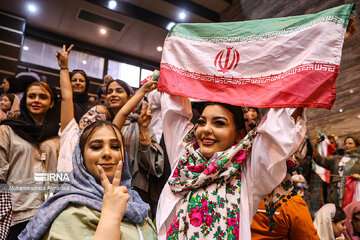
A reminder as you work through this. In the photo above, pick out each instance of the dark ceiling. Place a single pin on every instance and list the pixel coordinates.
(133, 27)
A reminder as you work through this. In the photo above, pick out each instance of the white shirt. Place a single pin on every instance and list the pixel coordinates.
(69, 137)
(277, 138)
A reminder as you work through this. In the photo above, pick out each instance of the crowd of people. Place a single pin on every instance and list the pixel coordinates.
(143, 166)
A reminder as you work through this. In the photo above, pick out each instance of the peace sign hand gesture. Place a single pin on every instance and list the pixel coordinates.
(115, 196)
(144, 118)
(62, 56)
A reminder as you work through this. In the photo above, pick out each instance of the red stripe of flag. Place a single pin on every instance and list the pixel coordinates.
(301, 89)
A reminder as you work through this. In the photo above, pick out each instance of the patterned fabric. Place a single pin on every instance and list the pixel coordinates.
(5, 211)
(281, 193)
(211, 189)
(344, 169)
(84, 191)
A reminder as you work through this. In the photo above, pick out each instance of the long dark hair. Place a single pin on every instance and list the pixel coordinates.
(235, 110)
(339, 214)
(11, 98)
(128, 89)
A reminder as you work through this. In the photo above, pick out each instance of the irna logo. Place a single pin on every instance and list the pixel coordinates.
(52, 177)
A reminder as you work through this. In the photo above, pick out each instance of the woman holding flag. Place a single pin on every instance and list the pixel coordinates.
(344, 184)
(219, 171)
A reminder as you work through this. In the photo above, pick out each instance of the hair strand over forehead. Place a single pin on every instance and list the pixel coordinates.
(236, 111)
(92, 127)
(44, 86)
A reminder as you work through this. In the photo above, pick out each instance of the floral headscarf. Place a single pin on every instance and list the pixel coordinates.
(211, 190)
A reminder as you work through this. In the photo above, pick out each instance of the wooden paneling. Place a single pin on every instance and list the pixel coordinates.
(11, 36)
(331, 121)
(12, 22)
(9, 50)
(52, 76)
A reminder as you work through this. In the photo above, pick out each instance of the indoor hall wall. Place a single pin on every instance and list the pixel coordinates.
(331, 121)
(52, 76)
(11, 36)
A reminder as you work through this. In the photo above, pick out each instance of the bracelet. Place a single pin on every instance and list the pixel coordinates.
(64, 68)
(144, 130)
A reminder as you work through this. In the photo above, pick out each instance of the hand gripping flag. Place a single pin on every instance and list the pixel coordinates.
(325, 149)
(278, 62)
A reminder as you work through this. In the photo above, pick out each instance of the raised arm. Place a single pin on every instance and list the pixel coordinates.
(325, 162)
(67, 106)
(171, 114)
(351, 28)
(278, 137)
(133, 102)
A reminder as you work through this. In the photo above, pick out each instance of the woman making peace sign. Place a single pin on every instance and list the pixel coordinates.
(87, 210)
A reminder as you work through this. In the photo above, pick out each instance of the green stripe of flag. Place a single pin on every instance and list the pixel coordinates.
(259, 29)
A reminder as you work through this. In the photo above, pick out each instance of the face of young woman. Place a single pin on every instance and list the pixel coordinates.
(78, 83)
(216, 130)
(5, 85)
(116, 96)
(105, 149)
(253, 114)
(96, 113)
(5, 104)
(339, 228)
(350, 145)
(38, 101)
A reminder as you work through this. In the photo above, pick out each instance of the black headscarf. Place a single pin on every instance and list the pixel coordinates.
(26, 127)
(81, 100)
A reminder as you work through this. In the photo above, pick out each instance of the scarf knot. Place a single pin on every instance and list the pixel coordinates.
(211, 191)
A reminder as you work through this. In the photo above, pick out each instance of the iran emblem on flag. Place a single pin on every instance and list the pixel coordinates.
(278, 62)
(230, 60)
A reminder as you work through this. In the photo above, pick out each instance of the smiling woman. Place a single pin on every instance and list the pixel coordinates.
(87, 210)
(345, 171)
(80, 84)
(219, 127)
(9, 105)
(145, 154)
(39, 101)
(102, 148)
(220, 173)
(29, 144)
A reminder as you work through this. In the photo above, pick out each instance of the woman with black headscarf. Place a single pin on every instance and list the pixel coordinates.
(29, 144)
(80, 84)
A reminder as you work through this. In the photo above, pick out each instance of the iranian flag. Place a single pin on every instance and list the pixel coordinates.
(278, 62)
(325, 149)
